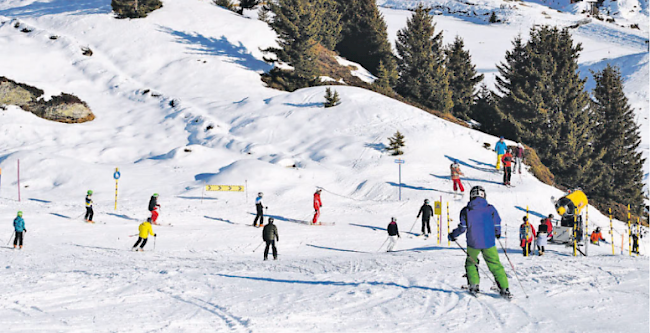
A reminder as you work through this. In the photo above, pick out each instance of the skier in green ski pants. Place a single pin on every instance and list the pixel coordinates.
(483, 224)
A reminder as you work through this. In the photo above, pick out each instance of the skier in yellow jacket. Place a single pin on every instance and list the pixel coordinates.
(145, 230)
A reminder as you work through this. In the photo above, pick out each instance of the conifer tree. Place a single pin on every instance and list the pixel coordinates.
(544, 100)
(330, 22)
(395, 143)
(247, 4)
(227, 4)
(617, 140)
(385, 78)
(134, 8)
(463, 78)
(331, 99)
(364, 38)
(422, 75)
(297, 25)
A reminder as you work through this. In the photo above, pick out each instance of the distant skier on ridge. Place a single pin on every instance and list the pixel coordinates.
(483, 224)
(317, 205)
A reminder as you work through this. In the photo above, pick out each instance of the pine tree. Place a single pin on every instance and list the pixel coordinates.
(422, 75)
(330, 23)
(364, 38)
(263, 13)
(544, 100)
(617, 139)
(247, 4)
(493, 18)
(395, 143)
(385, 77)
(463, 78)
(297, 25)
(331, 99)
(227, 4)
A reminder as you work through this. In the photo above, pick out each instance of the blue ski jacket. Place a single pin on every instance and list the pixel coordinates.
(500, 147)
(482, 223)
(19, 224)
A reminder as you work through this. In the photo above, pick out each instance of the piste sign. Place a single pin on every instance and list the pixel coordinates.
(225, 188)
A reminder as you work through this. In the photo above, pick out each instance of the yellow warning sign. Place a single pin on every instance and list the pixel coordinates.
(225, 188)
(437, 208)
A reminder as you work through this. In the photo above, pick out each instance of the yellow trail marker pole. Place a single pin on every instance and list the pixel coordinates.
(448, 241)
(116, 175)
(587, 231)
(629, 229)
(611, 231)
(575, 242)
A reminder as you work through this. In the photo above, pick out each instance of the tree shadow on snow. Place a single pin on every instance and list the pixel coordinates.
(380, 147)
(61, 215)
(468, 179)
(335, 249)
(284, 219)
(463, 163)
(368, 226)
(123, 216)
(195, 198)
(238, 54)
(531, 212)
(306, 105)
(418, 188)
(340, 283)
(39, 200)
(218, 219)
(77, 7)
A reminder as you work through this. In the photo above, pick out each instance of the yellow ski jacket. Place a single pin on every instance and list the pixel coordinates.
(146, 230)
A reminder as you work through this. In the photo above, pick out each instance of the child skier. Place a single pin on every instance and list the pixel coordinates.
(145, 230)
(393, 234)
(19, 227)
(549, 226)
(455, 176)
(153, 208)
(89, 207)
(483, 224)
(317, 205)
(541, 238)
(259, 206)
(426, 212)
(270, 236)
(526, 233)
(596, 237)
(500, 148)
(507, 167)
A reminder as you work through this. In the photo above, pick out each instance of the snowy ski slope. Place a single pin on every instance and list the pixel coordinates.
(203, 275)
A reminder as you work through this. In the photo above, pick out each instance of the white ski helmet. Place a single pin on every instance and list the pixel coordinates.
(477, 191)
(260, 194)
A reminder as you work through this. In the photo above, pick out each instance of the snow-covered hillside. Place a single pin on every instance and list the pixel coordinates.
(227, 128)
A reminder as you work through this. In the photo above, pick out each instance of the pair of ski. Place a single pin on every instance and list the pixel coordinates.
(478, 294)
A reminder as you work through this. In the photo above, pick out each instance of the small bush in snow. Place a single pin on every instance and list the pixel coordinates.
(493, 18)
(134, 8)
(331, 99)
(26, 30)
(395, 143)
(86, 51)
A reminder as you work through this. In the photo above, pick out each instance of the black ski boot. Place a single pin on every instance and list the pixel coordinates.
(505, 293)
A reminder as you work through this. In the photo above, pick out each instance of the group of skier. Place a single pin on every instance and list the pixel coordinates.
(528, 235)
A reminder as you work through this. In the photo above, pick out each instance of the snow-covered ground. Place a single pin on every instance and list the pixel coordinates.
(228, 129)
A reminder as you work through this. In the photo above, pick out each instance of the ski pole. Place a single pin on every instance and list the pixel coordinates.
(10, 237)
(414, 222)
(513, 268)
(382, 244)
(258, 246)
(476, 264)
(133, 235)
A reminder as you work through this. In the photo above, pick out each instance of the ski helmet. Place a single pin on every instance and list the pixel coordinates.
(598, 229)
(550, 216)
(525, 219)
(477, 191)
(426, 201)
(271, 220)
(90, 192)
(155, 195)
(20, 213)
(392, 219)
(260, 194)
(319, 190)
(148, 219)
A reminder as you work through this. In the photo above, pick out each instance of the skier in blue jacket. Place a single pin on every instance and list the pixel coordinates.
(483, 224)
(19, 227)
(500, 148)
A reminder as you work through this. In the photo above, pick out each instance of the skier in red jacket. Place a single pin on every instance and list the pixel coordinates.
(317, 205)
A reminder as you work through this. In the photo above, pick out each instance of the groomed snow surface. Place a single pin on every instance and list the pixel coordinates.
(226, 128)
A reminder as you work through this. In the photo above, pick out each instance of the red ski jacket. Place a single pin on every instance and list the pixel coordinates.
(317, 203)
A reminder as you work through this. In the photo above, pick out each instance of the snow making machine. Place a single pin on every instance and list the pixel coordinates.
(570, 208)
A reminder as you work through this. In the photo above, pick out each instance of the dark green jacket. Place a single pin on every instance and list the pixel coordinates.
(270, 233)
